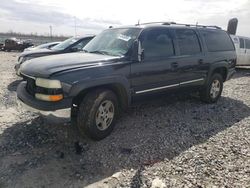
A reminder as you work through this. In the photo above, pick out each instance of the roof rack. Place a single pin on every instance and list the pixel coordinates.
(174, 23)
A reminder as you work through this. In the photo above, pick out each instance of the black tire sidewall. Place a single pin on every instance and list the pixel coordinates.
(87, 114)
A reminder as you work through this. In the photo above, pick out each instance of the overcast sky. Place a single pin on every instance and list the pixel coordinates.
(92, 16)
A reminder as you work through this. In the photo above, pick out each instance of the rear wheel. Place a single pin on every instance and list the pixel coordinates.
(97, 113)
(212, 92)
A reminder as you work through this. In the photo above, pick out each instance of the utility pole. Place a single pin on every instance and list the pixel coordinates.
(50, 29)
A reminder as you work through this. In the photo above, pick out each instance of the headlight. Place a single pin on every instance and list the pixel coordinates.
(23, 59)
(52, 90)
(47, 83)
(20, 59)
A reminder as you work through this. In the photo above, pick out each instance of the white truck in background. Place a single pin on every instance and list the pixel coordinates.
(242, 46)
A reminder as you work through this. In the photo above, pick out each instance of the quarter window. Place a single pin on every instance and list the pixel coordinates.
(157, 43)
(217, 40)
(188, 42)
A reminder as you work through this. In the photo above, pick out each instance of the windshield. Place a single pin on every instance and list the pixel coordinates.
(115, 42)
(43, 46)
(63, 45)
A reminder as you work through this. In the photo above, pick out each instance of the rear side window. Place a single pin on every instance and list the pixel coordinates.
(188, 42)
(242, 43)
(157, 43)
(247, 43)
(217, 40)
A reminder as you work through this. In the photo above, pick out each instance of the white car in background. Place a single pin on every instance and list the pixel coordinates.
(42, 46)
(242, 46)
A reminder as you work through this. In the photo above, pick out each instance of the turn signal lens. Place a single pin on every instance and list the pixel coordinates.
(56, 97)
(53, 98)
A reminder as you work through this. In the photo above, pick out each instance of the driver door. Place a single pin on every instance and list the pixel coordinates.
(157, 71)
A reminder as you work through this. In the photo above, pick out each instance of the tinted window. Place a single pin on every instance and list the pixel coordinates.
(188, 42)
(217, 40)
(242, 43)
(247, 43)
(157, 43)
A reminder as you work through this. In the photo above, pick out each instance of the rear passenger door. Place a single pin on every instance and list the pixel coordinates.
(192, 66)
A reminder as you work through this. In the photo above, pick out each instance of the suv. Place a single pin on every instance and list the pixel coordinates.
(122, 63)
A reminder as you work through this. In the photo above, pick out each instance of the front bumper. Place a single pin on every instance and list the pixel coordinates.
(57, 109)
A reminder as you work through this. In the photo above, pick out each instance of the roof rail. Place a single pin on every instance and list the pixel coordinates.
(174, 23)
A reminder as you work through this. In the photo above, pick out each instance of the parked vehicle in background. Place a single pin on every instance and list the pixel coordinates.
(43, 46)
(73, 44)
(242, 46)
(1, 46)
(15, 44)
(122, 64)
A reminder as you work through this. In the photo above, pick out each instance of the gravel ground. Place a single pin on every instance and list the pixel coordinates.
(171, 141)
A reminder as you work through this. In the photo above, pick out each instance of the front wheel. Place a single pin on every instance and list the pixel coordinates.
(212, 92)
(97, 114)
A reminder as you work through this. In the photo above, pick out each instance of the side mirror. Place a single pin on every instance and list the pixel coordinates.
(137, 52)
(140, 52)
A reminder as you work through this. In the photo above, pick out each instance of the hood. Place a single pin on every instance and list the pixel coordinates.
(48, 65)
(32, 49)
(34, 52)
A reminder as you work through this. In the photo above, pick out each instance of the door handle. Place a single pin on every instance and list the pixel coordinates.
(174, 65)
(200, 61)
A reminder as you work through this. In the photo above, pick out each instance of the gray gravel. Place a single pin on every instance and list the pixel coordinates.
(167, 141)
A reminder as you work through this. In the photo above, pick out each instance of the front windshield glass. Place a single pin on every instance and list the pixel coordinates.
(63, 45)
(115, 42)
(42, 46)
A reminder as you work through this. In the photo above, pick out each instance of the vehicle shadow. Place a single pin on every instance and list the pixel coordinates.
(13, 85)
(55, 155)
(242, 72)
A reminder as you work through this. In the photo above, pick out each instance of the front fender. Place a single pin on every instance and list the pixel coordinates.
(82, 85)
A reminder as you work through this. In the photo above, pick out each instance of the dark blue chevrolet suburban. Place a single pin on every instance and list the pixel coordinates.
(122, 63)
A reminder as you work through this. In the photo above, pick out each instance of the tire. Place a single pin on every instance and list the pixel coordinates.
(92, 117)
(212, 91)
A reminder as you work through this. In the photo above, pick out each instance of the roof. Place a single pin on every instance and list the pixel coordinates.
(171, 24)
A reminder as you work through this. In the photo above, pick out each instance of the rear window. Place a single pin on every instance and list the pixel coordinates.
(247, 43)
(188, 42)
(217, 40)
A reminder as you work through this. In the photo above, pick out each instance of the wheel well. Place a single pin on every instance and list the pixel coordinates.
(118, 89)
(222, 71)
